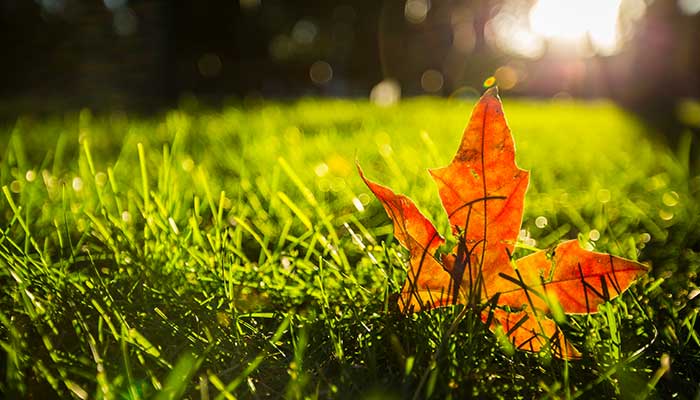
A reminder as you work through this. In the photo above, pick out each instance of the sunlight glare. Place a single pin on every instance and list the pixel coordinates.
(578, 20)
(509, 31)
(689, 7)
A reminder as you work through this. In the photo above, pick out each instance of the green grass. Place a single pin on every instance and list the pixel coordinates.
(235, 253)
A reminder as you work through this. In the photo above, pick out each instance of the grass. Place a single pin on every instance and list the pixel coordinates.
(235, 253)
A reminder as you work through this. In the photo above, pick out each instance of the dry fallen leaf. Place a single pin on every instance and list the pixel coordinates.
(482, 191)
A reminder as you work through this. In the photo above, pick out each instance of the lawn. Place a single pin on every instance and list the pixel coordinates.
(235, 253)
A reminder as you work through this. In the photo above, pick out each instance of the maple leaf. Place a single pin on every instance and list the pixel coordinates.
(483, 191)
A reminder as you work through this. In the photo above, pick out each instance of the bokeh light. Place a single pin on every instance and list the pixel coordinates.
(125, 22)
(416, 10)
(385, 93)
(209, 65)
(321, 72)
(670, 199)
(689, 7)
(465, 92)
(603, 196)
(578, 27)
(431, 81)
(541, 222)
(508, 31)
(281, 47)
(506, 77)
(577, 21)
(304, 32)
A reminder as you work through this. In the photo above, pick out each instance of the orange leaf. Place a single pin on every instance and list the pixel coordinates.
(578, 279)
(428, 285)
(482, 191)
(528, 332)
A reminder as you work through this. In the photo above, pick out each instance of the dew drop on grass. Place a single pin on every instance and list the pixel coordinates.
(15, 186)
(594, 235)
(286, 263)
(187, 164)
(173, 225)
(358, 204)
(321, 169)
(364, 198)
(45, 175)
(603, 196)
(77, 184)
(670, 199)
(30, 176)
(666, 215)
(645, 237)
(523, 234)
(126, 216)
(100, 178)
(541, 221)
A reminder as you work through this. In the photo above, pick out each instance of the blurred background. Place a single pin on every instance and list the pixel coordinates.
(149, 54)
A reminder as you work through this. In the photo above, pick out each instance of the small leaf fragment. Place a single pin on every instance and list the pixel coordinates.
(579, 279)
(428, 284)
(526, 331)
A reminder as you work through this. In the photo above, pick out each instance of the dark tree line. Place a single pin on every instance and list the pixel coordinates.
(146, 54)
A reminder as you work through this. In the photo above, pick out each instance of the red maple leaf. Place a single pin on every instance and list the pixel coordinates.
(482, 191)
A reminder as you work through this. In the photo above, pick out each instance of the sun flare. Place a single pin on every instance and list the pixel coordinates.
(575, 21)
